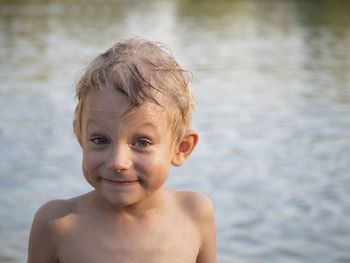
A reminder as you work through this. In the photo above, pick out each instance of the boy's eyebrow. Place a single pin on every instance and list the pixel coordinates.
(152, 125)
(92, 121)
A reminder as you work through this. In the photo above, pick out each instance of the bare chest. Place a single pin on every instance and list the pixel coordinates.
(173, 241)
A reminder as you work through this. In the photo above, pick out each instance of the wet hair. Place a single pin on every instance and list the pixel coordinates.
(144, 71)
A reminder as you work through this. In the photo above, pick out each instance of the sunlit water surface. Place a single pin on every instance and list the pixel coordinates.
(272, 84)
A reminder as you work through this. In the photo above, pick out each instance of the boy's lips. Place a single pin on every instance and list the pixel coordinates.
(121, 181)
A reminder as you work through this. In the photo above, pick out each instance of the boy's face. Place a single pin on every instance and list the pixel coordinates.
(127, 157)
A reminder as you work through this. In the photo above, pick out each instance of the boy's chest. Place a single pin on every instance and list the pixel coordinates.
(175, 241)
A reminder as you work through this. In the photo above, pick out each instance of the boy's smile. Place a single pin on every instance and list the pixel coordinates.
(126, 157)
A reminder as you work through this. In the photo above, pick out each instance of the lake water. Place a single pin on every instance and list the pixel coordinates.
(272, 82)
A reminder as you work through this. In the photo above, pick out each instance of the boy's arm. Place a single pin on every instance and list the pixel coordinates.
(207, 251)
(202, 211)
(41, 248)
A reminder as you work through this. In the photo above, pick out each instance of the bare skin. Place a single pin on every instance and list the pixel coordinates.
(180, 229)
(130, 216)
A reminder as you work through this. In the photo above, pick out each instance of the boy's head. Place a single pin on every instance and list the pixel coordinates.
(144, 71)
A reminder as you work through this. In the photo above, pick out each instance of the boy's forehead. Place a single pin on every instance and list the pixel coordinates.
(107, 103)
(105, 96)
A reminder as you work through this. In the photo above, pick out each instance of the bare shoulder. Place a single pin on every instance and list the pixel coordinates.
(197, 205)
(201, 210)
(53, 214)
(49, 222)
(54, 209)
(58, 209)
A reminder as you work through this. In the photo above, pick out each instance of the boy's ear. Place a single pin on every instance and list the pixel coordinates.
(185, 148)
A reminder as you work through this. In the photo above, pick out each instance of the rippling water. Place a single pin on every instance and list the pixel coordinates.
(272, 81)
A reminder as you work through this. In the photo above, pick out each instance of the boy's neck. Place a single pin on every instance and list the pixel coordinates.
(137, 211)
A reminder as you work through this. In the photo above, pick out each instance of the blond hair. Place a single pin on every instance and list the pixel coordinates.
(141, 70)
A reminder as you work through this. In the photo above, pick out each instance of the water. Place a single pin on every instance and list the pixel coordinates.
(272, 83)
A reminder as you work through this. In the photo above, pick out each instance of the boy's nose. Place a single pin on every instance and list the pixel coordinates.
(119, 159)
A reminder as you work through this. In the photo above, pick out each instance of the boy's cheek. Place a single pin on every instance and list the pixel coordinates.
(90, 166)
(91, 160)
(150, 164)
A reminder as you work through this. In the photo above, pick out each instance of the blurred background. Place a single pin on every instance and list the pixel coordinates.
(272, 83)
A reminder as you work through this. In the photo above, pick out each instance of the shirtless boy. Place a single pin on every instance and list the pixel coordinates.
(133, 123)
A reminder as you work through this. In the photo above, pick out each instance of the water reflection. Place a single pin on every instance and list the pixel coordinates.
(272, 83)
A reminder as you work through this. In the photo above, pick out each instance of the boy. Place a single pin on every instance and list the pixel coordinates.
(132, 122)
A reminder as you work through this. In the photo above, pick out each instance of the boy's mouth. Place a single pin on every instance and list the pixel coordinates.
(121, 182)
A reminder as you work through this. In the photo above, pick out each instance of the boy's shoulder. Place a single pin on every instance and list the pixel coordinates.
(56, 213)
(195, 204)
(50, 221)
(52, 215)
(55, 209)
(201, 211)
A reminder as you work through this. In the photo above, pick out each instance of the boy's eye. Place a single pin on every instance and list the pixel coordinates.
(141, 143)
(100, 141)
